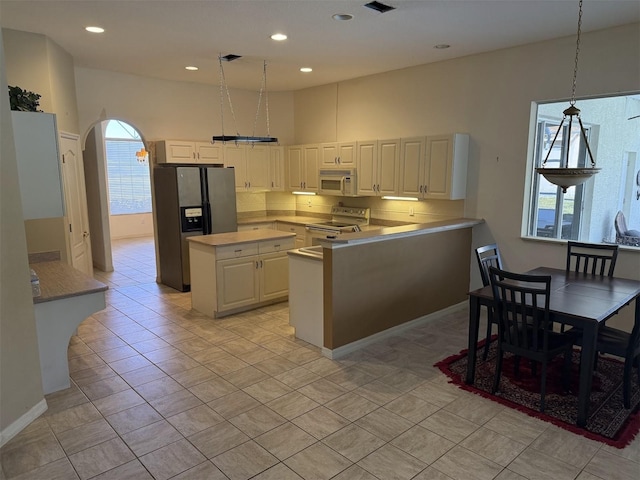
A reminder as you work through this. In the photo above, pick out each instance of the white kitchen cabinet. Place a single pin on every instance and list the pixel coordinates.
(181, 151)
(238, 282)
(276, 168)
(232, 277)
(435, 166)
(303, 162)
(300, 231)
(338, 154)
(377, 167)
(251, 165)
(253, 279)
(36, 143)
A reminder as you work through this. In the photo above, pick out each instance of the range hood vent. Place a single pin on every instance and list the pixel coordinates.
(379, 7)
(230, 57)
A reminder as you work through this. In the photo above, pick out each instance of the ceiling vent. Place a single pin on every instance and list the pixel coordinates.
(230, 57)
(379, 7)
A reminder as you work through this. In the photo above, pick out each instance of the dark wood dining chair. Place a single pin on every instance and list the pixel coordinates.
(594, 258)
(488, 256)
(620, 344)
(521, 304)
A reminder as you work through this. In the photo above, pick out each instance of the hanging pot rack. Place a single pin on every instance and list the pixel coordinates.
(224, 88)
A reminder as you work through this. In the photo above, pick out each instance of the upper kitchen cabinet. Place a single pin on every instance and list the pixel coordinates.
(303, 163)
(338, 154)
(180, 151)
(435, 167)
(377, 167)
(251, 165)
(276, 168)
(37, 155)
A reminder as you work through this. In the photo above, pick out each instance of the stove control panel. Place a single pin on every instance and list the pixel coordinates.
(351, 212)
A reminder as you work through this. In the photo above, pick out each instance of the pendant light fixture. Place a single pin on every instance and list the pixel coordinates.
(224, 88)
(566, 176)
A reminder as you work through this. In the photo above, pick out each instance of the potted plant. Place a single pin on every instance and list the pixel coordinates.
(23, 100)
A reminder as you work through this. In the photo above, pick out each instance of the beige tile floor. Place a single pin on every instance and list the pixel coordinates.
(159, 391)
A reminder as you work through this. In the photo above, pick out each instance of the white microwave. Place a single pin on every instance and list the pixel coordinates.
(338, 182)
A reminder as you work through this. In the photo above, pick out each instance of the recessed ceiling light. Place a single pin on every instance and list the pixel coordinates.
(441, 46)
(94, 29)
(306, 69)
(278, 37)
(342, 16)
(193, 68)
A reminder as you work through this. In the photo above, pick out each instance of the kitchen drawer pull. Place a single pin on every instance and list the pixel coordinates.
(277, 245)
(238, 251)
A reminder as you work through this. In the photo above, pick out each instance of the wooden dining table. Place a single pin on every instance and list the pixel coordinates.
(578, 299)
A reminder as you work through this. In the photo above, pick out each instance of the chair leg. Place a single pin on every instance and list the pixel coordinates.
(543, 386)
(626, 383)
(496, 378)
(566, 370)
(487, 341)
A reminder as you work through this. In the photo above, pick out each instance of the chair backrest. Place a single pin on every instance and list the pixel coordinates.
(521, 303)
(488, 256)
(594, 258)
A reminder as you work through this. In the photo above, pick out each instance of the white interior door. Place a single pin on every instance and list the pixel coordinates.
(75, 197)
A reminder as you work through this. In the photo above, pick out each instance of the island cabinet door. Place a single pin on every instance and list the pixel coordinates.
(274, 276)
(238, 282)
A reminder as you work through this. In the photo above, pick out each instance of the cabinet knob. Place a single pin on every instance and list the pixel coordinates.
(85, 234)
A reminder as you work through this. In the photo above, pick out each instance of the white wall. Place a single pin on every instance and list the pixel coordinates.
(161, 109)
(21, 397)
(488, 96)
(131, 226)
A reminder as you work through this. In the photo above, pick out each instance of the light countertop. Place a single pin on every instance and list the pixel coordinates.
(59, 280)
(230, 238)
(380, 233)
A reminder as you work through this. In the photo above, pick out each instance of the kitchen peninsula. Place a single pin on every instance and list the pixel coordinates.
(388, 279)
(68, 297)
(237, 271)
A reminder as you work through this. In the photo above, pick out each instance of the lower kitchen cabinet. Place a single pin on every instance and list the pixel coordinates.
(233, 277)
(251, 280)
(300, 231)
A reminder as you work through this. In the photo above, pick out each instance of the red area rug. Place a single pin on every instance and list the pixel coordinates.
(609, 422)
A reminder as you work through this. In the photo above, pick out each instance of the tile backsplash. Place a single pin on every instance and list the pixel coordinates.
(424, 211)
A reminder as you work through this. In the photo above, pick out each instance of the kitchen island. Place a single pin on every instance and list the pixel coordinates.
(378, 282)
(238, 271)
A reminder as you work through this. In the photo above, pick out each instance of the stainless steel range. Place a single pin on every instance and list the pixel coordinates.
(343, 220)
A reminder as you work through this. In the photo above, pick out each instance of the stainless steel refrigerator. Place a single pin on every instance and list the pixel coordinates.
(190, 200)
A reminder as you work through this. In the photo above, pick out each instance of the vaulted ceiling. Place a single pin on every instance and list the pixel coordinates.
(158, 38)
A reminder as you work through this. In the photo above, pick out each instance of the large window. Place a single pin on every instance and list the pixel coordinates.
(129, 182)
(587, 212)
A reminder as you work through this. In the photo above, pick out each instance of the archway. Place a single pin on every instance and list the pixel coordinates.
(118, 185)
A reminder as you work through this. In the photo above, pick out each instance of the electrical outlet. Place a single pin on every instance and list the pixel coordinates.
(411, 212)
(309, 202)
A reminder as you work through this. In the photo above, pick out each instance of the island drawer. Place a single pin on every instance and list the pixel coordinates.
(277, 245)
(236, 250)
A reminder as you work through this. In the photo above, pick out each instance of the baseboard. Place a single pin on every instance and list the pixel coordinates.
(23, 422)
(389, 332)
